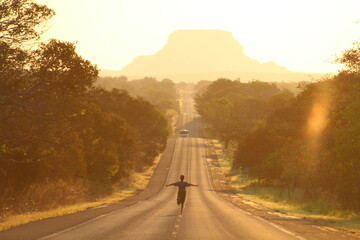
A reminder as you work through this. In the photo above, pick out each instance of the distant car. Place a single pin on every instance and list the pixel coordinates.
(184, 133)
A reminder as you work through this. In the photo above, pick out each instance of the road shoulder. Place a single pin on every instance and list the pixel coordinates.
(299, 226)
(45, 227)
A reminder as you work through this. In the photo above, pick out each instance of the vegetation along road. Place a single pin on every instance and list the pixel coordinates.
(210, 212)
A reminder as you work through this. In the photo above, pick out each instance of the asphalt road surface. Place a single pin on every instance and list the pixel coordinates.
(154, 214)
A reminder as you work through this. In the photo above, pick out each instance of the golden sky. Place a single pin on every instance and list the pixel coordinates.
(302, 35)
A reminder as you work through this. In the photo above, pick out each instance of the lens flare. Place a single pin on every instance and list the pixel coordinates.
(318, 119)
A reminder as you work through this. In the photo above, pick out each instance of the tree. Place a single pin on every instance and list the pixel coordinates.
(150, 127)
(22, 21)
(231, 109)
(351, 59)
(342, 137)
(161, 94)
(57, 66)
(56, 128)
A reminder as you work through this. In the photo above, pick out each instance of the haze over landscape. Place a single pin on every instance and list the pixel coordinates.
(302, 36)
(193, 55)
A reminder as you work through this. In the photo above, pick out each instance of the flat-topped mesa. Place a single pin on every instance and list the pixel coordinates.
(199, 51)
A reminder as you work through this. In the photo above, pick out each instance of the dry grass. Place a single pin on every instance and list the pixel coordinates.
(138, 181)
(271, 197)
(21, 219)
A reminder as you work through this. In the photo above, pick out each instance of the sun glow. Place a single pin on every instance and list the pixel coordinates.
(301, 36)
(317, 120)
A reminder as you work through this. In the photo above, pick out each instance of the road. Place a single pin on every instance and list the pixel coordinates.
(154, 214)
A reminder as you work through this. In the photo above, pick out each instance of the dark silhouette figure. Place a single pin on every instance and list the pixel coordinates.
(182, 190)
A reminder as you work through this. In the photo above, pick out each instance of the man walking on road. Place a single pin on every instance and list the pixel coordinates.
(182, 190)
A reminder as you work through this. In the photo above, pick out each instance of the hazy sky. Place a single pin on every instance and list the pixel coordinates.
(302, 35)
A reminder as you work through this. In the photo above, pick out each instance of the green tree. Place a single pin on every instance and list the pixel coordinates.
(342, 138)
(58, 67)
(231, 109)
(150, 126)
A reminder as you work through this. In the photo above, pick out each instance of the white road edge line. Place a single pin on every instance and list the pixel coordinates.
(241, 210)
(86, 222)
(73, 227)
(104, 215)
(279, 228)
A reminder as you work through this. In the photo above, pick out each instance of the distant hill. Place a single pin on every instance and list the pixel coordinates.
(192, 55)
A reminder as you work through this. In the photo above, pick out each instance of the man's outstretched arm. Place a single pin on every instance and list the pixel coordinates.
(171, 184)
(195, 185)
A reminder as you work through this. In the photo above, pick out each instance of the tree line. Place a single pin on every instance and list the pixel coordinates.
(308, 142)
(62, 138)
(162, 94)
